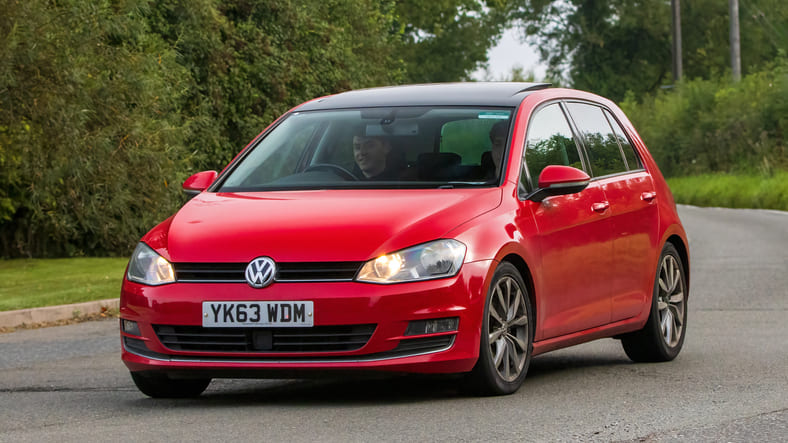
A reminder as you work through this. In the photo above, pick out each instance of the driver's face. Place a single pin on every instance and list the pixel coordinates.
(370, 155)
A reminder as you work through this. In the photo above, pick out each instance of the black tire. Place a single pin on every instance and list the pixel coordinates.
(161, 386)
(663, 335)
(503, 362)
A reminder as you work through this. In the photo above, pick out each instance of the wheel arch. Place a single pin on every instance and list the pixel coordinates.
(678, 243)
(525, 272)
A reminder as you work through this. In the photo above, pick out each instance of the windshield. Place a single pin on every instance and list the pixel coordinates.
(398, 147)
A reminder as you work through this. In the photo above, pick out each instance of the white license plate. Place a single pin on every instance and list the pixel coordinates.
(257, 313)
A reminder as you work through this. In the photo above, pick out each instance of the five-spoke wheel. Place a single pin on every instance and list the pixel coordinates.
(662, 337)
(507, 335)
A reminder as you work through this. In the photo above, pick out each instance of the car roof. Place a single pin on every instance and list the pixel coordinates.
(438, 94)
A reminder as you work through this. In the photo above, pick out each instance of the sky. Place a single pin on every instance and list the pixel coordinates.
(508, 53)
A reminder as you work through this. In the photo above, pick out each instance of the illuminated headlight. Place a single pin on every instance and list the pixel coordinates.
(438, 259)
(149, 268)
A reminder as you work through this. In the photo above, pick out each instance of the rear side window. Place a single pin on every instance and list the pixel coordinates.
(603, 149)
(629, 152)
(549, 142)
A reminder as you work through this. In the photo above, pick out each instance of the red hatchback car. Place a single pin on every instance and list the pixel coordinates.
(448, 228)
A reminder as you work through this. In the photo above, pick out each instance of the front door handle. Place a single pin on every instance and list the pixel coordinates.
(600, 207)
(648, 196)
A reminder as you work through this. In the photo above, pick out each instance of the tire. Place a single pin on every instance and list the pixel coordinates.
(161, 386)
(506, 342)
(663, 335)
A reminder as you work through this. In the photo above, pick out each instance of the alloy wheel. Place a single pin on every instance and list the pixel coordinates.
(508, 329)
(670, 301)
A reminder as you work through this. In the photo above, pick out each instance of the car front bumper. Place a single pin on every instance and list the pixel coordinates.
(390, 308)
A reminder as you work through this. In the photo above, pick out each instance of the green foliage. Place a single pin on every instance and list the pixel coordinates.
(107, 106)
(613, 46)
(90, 132)
(31, 283)
(733, 190)
(446, 40)
(717, 126)
(253, 60)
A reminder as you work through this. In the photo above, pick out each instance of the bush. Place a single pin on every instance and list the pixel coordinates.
(90, 129)
(716, 126)
(107, 106)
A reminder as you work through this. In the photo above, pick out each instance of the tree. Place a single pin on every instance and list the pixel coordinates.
(614, 46)
(90, 133)
(446, 40)
(251, 60)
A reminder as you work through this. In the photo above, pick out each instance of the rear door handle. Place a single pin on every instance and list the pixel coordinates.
(600, 207)
(648, 196)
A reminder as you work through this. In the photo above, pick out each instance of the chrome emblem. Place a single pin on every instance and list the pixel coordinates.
(260, 272)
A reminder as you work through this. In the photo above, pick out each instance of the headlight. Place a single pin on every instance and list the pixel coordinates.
(438, 259)
(149, 268)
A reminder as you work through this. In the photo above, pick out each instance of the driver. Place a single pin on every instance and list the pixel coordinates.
(370, 154)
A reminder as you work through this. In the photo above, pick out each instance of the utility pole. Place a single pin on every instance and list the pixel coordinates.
(675, 7)
(733, 10)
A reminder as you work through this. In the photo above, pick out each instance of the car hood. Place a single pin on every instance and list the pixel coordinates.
(324, 225)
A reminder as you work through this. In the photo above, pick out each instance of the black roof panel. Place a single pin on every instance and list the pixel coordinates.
(437, 94)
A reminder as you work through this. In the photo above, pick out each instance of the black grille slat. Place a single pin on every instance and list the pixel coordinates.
(315, 339)
(235, 272)
(321, 343)
(323, 335)
(317, 271)
(210, 272)
(424, 344)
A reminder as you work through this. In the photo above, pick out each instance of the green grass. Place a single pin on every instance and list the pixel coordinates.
(733, 190)
(49, 282)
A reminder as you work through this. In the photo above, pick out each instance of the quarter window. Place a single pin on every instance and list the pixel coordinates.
(603, 150)
(549, 142)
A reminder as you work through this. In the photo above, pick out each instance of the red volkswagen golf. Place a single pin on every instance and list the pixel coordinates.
(449, 228)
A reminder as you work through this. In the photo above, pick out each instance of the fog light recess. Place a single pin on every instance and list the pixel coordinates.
(433, 326)
(130, 327)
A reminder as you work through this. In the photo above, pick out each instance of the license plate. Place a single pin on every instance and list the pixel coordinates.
(260, 313)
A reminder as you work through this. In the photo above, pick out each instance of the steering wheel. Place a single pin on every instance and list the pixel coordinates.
(339, 170)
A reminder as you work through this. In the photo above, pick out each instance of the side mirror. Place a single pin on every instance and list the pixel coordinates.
(199, 182)
(559, 180)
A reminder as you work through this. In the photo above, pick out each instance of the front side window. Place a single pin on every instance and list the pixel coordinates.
(549, 142)
(603, 150)
(414, 147)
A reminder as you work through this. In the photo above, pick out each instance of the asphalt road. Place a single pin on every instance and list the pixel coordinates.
(730, 382)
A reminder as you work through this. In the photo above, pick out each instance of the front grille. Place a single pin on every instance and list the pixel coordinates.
(315, 339)
(210, 272)
(285, 272)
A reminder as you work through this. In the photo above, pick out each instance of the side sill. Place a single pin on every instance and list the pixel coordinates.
(576, 338)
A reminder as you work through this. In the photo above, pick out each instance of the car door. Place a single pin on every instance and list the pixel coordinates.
(573, 233)
(628, 188)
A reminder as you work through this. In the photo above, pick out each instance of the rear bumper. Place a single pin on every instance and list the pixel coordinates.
(389, 307)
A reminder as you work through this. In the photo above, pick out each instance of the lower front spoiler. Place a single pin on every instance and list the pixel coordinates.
(438, 358)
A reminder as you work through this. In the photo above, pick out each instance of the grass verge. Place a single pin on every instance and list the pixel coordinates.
(49, 282)
(733, 190)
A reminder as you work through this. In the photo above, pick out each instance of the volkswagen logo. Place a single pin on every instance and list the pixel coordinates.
(260, 272)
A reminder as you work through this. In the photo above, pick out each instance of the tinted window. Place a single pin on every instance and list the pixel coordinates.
(629, 152)
(549, 142)
(415, 147)
(603, 150)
